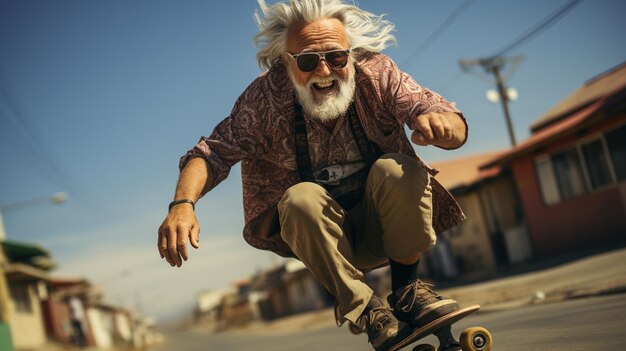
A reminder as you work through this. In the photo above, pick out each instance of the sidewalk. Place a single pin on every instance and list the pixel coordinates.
(599, 274)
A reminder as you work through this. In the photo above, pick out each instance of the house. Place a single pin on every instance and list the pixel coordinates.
(289, 289)
(209, 307)
(570, 173)
(6, 339)
(493, 236)
(236, 308)
(26, 274)
(68, 311)
(63, 309)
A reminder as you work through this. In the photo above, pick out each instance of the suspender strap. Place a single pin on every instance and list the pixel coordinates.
(302, 146)
(368, 150)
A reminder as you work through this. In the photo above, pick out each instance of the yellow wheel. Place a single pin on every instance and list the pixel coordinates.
(476, 339)
(424, 347)
(354, 329)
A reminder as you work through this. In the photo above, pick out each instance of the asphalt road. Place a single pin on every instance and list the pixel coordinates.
(597, 323)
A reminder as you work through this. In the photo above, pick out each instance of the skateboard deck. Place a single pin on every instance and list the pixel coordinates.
(434, 326)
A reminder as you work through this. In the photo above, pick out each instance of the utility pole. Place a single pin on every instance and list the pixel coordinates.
(494, 65)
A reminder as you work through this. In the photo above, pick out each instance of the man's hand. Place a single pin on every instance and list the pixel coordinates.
(443, 129)
(181, 223)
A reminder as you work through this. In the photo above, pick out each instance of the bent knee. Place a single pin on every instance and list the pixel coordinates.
(301, 198)
(396, 166)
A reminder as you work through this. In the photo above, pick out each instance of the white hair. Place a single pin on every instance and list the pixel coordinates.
(364, 30)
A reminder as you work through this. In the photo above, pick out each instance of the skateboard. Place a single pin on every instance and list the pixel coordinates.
(472, 339)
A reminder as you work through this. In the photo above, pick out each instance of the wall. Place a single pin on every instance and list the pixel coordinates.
(27, 327)
(101, 327)
(470, 241)
(583, 222)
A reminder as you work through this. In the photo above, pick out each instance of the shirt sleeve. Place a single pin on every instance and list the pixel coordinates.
(405, 99)
(239, 136)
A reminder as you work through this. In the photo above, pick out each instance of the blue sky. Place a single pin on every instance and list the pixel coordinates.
(101, 98)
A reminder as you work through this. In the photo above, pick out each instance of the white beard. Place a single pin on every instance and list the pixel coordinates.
(328, 107)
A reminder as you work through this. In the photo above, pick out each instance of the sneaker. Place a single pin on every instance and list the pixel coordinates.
(417, 305)
(383, 329)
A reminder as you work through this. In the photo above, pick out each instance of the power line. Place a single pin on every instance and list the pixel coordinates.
(496, 62)
(438, 32)
(539, 28)
(27, 139)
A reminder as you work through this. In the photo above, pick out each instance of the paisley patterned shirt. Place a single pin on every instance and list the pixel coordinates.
(260, 133)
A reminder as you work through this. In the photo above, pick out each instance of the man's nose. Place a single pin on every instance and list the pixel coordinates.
(322, 68)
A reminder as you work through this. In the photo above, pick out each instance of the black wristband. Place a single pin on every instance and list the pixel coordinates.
(183, 201)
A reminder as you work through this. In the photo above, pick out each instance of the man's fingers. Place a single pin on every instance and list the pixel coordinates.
(435, 128)
(163, 245)
(194, 238)
(172, 248)
(160, 241)
(418, 138)
(424, 127)
(438, 128)
(181, 242)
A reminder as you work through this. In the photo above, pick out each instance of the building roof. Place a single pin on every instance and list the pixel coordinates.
(546, 135)
(24, 272)
(603, 93)
(28, 253)
(464, 171)
(18, 251)
(605, 84)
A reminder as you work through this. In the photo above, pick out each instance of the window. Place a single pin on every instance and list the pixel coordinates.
(547, 181)
(21, 298)
(589, 166)
(569, 173)
(597, 163)
(616, 142)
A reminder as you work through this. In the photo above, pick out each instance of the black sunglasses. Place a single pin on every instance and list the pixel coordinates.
(308, 61)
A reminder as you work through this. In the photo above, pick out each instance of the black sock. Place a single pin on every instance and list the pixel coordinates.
(402, 274)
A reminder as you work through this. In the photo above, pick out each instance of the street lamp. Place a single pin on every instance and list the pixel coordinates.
(55, 199)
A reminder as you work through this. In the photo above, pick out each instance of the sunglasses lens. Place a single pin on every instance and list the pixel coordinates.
(308, 62)
(337, 59)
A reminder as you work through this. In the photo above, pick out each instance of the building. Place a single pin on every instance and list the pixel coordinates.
(570, 173)
(494, 236)
(26, 274)
(63, 311)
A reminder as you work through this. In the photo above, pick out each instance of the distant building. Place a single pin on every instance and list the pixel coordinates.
(26, 274)
(570, 173)
(68, 311)
(493, 236)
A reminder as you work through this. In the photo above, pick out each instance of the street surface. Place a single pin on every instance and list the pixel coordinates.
(597, 323)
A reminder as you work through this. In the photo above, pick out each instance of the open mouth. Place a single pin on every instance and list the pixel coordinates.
(325, 86)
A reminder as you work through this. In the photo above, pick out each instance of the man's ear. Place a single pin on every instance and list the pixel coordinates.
(284, 60)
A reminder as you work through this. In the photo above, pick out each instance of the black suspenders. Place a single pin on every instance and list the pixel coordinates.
(369, 151)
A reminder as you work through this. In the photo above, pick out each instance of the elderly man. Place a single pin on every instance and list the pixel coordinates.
(329, 175)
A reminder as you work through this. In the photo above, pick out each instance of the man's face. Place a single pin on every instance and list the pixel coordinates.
(324, 93)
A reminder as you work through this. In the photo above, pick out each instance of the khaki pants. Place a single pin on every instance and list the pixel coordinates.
(393, 220)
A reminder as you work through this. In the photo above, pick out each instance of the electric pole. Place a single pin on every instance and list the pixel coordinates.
(494, 65)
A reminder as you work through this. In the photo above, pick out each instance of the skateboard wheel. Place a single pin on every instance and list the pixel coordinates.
(424, 347)
(354, 329)
(476, 339)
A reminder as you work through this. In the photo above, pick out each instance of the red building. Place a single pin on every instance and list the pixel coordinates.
(571, 173)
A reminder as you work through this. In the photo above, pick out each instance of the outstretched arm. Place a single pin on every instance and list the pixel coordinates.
(195, 180)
